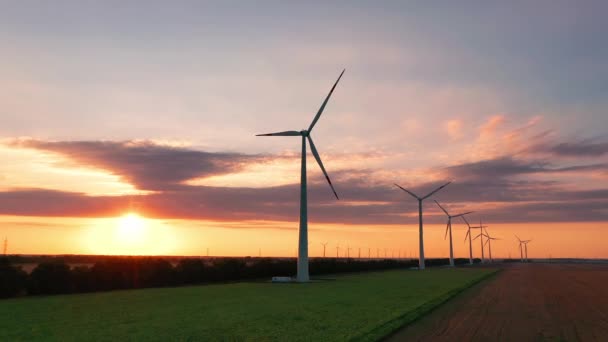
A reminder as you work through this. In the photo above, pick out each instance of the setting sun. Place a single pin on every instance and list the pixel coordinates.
(131, 229)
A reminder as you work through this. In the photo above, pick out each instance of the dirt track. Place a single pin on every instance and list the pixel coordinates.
(525, 302)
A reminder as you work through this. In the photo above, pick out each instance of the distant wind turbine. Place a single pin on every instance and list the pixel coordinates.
(469, 234)
(489, 243)
(480, 236)
(526, 247)
(302, 273)
(324, 245)
(337, 251)
(420, 232)
(523, 244)
(448, 227)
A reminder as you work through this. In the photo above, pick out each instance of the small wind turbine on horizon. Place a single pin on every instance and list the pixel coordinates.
(480, 236)
(324, 245)
(489, 243)
(470, 241)
(302, 271)
(448, 227)
(523, 244)
(420, 231)
(526, 245)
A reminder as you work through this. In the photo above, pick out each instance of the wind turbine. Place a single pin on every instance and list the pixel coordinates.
(489, 243)
(526, 247)
(324, 245)
(480, 236)
(448, 227)
(302, 274)
(523, 243)
(337, 251)
(420, 232)
(470, 242)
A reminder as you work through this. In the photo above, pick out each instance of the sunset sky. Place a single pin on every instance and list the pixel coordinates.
(151, 108)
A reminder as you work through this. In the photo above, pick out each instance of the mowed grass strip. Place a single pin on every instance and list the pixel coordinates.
(364, 306)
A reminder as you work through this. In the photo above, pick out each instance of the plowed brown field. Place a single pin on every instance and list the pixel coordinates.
(524, 302)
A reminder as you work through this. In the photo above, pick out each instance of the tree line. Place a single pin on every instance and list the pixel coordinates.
(58, 277)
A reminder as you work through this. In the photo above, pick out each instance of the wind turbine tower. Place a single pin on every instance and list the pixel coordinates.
(489, 243)
(324, 245)
(521, 248)
(526, 248)
(5, 249)
(302, 273)
(420, 231)
(448, 228)
(470, 241)
(480, 236)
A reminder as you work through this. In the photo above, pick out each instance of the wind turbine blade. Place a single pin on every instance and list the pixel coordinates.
(459, 215)
(316, 155)
(475, 238)
(314, 121)
(468, 232)
(445, 211)
(518, 239)
(446, 230)
(282, 134)
(434, 191)
(465, 221)
(409, 192)
(485, 243)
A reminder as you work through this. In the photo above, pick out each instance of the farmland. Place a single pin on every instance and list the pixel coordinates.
(363, 306)
(525, 302)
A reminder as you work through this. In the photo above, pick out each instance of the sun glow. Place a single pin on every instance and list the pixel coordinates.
(130, 234)
(131, 229)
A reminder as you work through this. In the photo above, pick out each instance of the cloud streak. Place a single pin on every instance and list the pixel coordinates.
(499, 189)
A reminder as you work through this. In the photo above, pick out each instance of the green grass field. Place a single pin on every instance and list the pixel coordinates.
(364, 306)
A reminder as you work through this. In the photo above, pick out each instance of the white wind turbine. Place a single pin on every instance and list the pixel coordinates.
(489, 243)
(302, 273)
(324, 245)
(448, 227)
(470, 242)
(420, 232)
(480, 236)
(523, 244)
(521, 251)
(526, 246)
